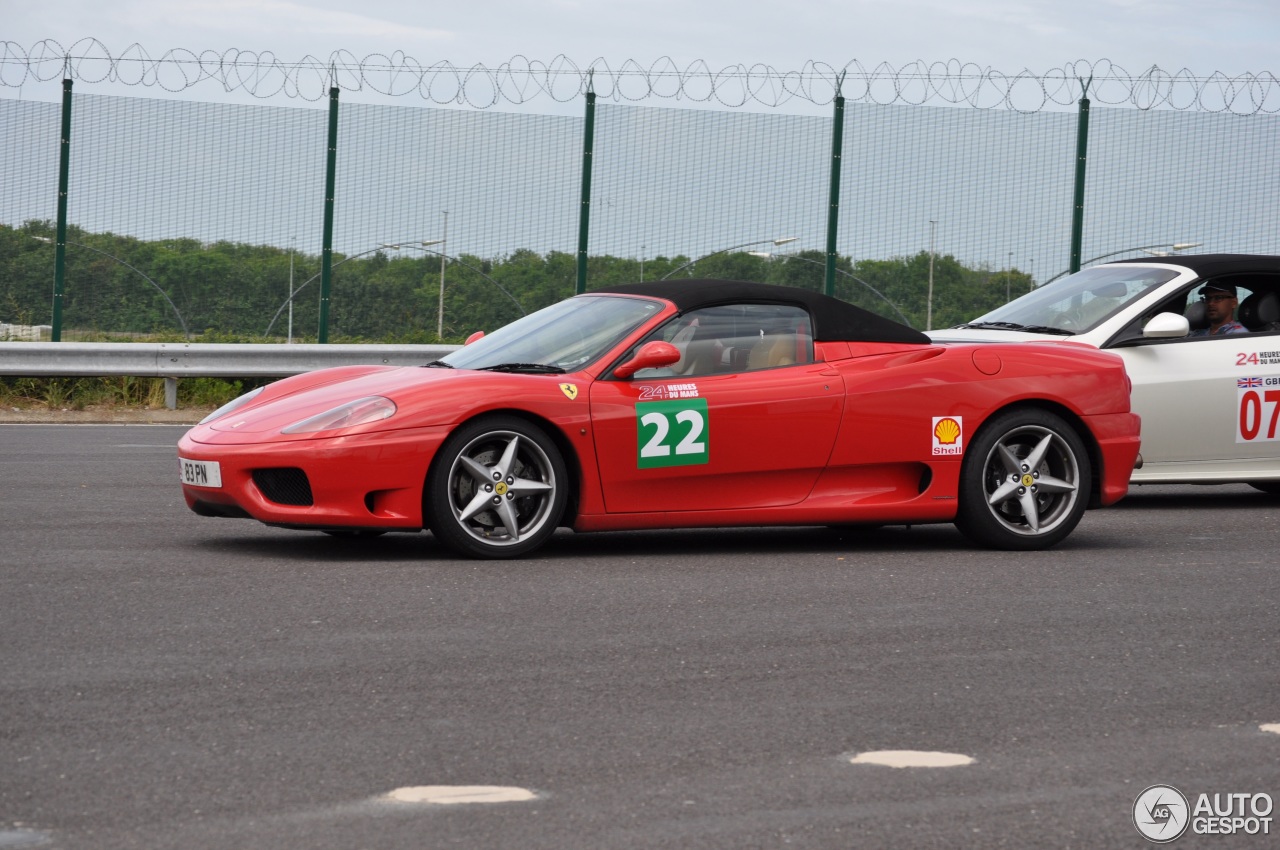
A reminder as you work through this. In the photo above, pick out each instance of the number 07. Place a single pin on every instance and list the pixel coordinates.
(1251, 416)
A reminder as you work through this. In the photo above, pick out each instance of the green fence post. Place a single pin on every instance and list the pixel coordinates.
(326, 253)
(1082, 148)
(60, 243)
(833, 195)
(584, 211)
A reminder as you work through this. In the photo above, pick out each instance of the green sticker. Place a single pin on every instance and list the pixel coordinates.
(672, 433)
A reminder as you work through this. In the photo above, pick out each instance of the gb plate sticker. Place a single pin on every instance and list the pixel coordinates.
(672, 433)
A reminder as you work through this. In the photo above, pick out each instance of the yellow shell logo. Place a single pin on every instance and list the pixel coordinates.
(947, 431)
(570, 391)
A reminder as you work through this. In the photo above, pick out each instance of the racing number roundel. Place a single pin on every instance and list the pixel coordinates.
(672, 433)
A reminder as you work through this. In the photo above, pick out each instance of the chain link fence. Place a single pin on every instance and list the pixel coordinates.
(200, 218)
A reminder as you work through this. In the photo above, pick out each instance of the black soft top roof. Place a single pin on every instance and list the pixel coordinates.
(833, 320)
(1214, 265)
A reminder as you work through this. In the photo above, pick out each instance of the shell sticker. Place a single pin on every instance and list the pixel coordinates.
(948, 435)
(569, 390)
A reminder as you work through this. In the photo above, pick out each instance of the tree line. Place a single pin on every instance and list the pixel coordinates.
(123, 287)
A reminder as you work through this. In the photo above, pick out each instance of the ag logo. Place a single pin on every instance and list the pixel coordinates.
(570, 391)
(1161, 813)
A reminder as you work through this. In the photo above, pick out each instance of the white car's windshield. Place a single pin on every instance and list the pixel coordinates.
(564, 337)
(1077, 303)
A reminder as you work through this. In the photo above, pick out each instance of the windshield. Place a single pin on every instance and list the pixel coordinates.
(563, 337)
(1077, 303)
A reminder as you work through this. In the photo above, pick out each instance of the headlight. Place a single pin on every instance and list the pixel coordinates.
(362, 411)
(239, 401)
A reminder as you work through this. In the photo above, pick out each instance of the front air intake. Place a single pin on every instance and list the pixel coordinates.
(284, 486)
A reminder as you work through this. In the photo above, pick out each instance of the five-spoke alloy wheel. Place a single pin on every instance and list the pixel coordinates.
(497, 488)
(1025, 481)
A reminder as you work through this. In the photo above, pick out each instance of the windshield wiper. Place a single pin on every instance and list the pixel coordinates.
(1047, 329)
(438, 364)
(537, 368)
(1009, 326)
(1014, 326)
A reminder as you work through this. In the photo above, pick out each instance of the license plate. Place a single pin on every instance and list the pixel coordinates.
(200, 473)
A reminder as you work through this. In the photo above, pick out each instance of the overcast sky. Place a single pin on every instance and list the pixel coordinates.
(1233, 37)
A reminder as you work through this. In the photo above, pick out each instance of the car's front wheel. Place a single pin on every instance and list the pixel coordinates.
(1024, 481)
(497, 488)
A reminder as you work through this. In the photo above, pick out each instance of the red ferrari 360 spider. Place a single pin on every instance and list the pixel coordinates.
(679, 404)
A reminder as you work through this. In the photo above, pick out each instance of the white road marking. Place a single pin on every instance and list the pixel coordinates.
(448, 795)
(1270, 727)
(911, 758)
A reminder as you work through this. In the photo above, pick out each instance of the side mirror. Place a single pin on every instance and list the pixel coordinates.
(475, 336)
(1166, 326)
(652, 355)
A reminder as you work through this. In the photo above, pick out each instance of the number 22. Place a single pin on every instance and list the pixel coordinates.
(689, 445)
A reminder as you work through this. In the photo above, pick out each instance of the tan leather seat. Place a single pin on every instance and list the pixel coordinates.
(681, 341)
(773, 350)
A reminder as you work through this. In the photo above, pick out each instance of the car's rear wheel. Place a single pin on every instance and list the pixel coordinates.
(1271, 488)
(497, 488)
(1024, 482)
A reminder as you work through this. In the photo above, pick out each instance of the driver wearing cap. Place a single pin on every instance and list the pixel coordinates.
(1220, 309)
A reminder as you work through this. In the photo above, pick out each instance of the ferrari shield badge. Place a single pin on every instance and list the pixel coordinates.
(569, 390)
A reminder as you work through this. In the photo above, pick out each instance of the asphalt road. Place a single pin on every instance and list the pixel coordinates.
(173, 681)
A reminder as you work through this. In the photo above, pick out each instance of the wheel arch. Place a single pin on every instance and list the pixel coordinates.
(1077, 424)
(557, 435)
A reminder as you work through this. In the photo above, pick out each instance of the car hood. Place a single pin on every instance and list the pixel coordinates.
(423, 397)
(981, 335)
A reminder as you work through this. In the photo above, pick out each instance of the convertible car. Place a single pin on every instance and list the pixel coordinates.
(679, 404)
(1209, 402)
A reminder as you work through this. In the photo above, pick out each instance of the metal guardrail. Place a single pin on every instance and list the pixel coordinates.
(175, 360)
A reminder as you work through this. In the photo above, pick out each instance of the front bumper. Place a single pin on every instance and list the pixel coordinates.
(370, 480)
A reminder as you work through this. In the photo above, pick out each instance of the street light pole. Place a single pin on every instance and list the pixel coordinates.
(181, 321)
(928, 316)
(308, 281)
(1149, 249)
(426, 248)
(780, 241)
(788, 257)
(444, 242)
(292, 243)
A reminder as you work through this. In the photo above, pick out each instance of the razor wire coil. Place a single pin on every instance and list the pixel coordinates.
(521, 80)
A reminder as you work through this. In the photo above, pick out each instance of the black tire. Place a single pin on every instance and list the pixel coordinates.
(497, 488)
(1024, 483)
(1271, 488)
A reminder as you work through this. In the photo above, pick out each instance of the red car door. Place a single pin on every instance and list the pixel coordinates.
(745, 439)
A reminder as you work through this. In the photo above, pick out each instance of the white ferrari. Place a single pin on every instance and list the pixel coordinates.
(1200, 337)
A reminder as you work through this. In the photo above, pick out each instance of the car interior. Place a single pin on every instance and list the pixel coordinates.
(737, 338)
(1258, 300)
